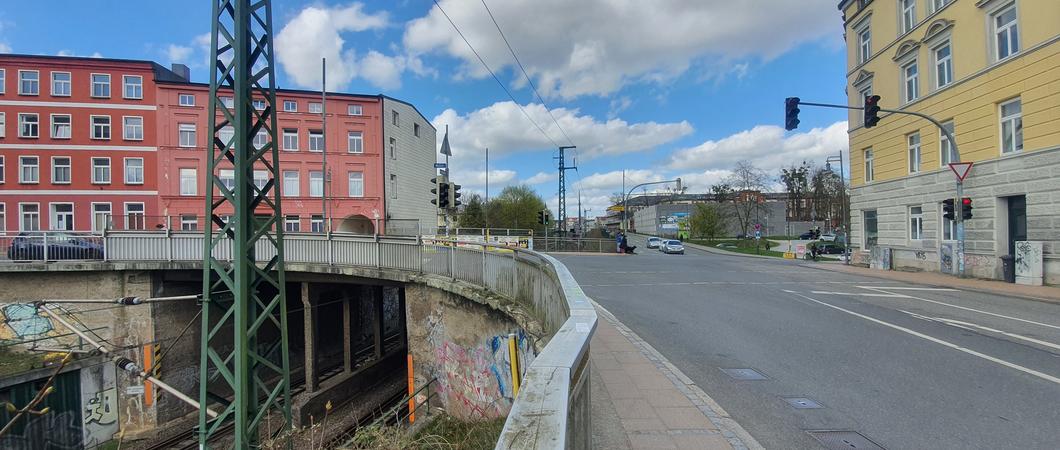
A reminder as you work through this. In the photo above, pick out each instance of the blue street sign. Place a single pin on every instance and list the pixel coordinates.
(439, 165)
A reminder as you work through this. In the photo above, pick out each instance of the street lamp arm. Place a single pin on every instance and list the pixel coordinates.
(625, 197)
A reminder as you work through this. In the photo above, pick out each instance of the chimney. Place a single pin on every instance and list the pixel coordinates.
(182, 71)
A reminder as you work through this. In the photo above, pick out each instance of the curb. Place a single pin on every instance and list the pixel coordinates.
(737, 436)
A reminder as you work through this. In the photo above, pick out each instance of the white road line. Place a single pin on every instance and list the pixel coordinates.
(790, 292)
(860, 294)
(1002, 362)
(909, 288)
(968, 309)
(970, 326)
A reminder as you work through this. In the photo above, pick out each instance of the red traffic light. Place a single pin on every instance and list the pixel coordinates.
(966, 201)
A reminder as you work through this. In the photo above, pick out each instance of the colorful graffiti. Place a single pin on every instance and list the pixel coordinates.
(23, 322)
(477, 381)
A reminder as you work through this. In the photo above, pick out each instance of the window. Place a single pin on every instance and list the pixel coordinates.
(261, 139)
(133, 128)
(913, 145)
(28, 82)
(908, 8)
(393, 148)
(28, 125)
(261, 178)
(395, 118)
(290, 106)
(30, 213)
(938, 4)
(134, 216)
(258, 104)
(949, 226)
(3, 81)
(393, 186)
(61, 84)
(3, 124)
(316, 108)
(134, 171)
(100, 170)
(189, 223)
(189, 181)
(134, 86)
(416, 129)
(186, 134)
(2, 168)
(912, 81)
(61, 126)
(355, 142)
(3, 218)
(947, 153)
(290, 139)
(290, 183)
(871, 231)
(100, 127)
(28, 169)
(943, 65)
(100, 216)
(61, 171)
(291, 223)
(62, 216)
(228, 178)
(316, 183)
(870, 171)
(186, 99)
(316, 141)
(228, 102)
(226, 134)
(101, 85)
(316, 222)
(864, 92)
(1011, 126)
(356, 184)
(354, 110)
(916, 223)
(864, 43)
(1006, 31)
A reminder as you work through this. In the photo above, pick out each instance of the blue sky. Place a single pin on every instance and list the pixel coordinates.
(683, 88)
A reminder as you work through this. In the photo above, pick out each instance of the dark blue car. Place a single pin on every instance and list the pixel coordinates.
(60, 245)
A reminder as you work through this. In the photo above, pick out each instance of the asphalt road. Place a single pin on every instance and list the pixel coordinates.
(908, 366)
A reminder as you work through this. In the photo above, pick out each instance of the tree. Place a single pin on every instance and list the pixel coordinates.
(474, 213)
(708, 221)
(796, 183)
(748, 182)
(830, 199)
(516, 207)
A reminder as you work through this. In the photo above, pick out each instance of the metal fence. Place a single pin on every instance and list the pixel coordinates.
(554, 244)
(552, 409)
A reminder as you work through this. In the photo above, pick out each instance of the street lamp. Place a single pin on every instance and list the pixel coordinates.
(625, 198)
(842, 205)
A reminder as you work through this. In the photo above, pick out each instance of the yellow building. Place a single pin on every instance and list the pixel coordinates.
(989, 70)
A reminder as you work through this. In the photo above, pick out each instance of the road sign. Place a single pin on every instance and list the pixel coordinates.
(758, 234)
(439, 165)
(758, 226)
(961, 169)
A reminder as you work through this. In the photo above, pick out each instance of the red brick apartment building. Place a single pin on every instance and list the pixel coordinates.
(91, 143)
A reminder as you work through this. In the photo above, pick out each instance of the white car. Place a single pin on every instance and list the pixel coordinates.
(672, 247)
(827, 237)
(654, 242)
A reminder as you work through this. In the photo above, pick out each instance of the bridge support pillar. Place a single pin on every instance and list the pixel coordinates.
(377, 321)
(347, 335)
(310, 340)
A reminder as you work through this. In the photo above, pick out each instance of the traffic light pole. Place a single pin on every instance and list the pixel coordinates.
(958, 206)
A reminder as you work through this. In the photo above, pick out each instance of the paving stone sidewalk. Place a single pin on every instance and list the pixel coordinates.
(641, 401)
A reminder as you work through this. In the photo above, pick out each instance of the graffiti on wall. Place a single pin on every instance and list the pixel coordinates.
(99, 404)
(59, 431)
(22, 321)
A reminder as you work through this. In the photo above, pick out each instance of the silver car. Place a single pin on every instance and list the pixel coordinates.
(672, 246)
(654, 242)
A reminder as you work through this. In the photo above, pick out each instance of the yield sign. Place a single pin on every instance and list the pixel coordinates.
(961, 169)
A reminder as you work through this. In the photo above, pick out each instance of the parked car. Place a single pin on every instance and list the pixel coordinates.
(807, 235)
(654, 242)
(60, 245)
(827, 237)
(829, 248)
(672, 247)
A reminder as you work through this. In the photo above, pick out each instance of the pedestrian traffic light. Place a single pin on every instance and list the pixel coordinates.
(791, 113)
(454, 191)
(966, 208)
(948, 212)
(443, 195)
(542, 217)
(872, 110)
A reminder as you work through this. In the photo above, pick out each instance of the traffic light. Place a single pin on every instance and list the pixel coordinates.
(872, 110)
(443, 195)
(436, 201)
(966, 208)
(791, 113)
(454, 191)
(947, 209)
(541, 217)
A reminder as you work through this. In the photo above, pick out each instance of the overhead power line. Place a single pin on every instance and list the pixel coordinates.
(523, 69)
(498, 80)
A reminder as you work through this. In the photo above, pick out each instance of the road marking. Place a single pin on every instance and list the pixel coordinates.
(790, 292)
(968, 309)
(970, 326)
(861, 294)
(1002, 362)
(908, 288)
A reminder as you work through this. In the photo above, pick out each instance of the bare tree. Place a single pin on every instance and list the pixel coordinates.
(747, 182)
(796, 182)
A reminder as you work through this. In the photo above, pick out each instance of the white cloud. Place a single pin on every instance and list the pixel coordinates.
(766, 146)
(179, 53)
(618, 105)
(69, 53)
(542, 178)
(594, 47)
(317, 32)
(5, 48)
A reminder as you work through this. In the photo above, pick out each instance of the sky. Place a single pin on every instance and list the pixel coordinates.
(661, 89)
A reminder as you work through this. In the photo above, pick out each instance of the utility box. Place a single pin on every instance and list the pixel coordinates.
(1029, 264)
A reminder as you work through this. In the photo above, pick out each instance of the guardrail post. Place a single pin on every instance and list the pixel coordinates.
(331, 249)
(515, 275)
(46, 242)
(483, 276)
(104, 245)
(452, 259)
(378, 252)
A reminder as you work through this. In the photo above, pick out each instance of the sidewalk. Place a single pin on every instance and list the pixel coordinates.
(641, 401)
(1042, 293)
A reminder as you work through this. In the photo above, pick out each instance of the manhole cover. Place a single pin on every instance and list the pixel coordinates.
(843, 440)
(802, 403)
(744, 374)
